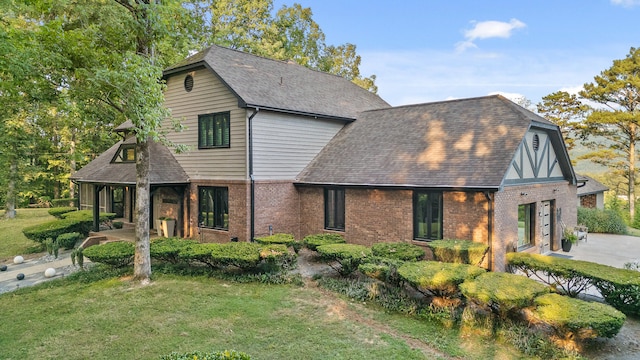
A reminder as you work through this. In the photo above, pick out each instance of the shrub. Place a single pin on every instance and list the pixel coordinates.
(87, 215)
(278, 256)
(168, 249)
(582, 319)
(58, 211)
(222, 355)
(458, 251)
(383, 269)
(620, 288)
(115, 253)
(68, 240)
(349, 256)
(437, 278)
(53, 229)
(398, 250)
(313, 241)
(602, 221)
(243, 255)
(66, 202)
(118, 224)
(284, 239)
(502, 292)
(198, 253)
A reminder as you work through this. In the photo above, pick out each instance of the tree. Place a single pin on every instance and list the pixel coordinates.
(566, 111)
(617, 90)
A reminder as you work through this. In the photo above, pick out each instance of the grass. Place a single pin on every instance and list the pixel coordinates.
(12, 241)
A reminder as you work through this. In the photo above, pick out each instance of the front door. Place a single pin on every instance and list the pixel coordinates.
(547, 226)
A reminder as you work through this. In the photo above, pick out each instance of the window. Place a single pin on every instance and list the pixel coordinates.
(525, 225)
(213, 205)
(126, 154)
(334, 209)
(427, 215)
(213, 130)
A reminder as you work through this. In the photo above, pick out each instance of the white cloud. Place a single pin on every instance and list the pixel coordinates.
(487, 30)
(626, 3)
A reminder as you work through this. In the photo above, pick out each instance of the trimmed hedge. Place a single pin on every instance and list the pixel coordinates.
(53, 229)
(620, 288)
(458, 251)
(313, 241)
(69, 240)
(58, 211)
(278, 255)
(584, 320)
(87, 215)
(438, 278)
(284, 239)
(398, 250)
(168, 249)
(65, 202)
(601, 221)
(115, 253)
(383, 269)
(197, 355)
(349, 256)
(502, 292)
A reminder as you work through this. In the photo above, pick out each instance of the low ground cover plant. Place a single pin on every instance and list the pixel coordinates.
(458, 251)
(198, 355)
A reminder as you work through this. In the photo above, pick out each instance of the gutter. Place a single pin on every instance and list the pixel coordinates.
(251, 175)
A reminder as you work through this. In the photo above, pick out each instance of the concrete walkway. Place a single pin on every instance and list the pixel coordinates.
(33, 270)
(607, 249)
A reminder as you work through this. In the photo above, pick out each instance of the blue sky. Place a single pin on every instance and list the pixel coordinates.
(431, 50)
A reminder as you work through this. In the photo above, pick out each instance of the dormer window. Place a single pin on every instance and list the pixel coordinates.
(126, 154)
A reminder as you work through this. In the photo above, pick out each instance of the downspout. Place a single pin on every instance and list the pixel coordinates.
(487, 195)
(251, 176)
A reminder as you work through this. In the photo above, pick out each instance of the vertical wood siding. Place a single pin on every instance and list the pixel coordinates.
(284, 144)
(209, 95)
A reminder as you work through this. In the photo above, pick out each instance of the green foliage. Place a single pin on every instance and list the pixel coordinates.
(568, 234)
(284, 239)
(115, 253)
(168, 249)
(87, 215)
(240, 254)
(438, 278)
(66, 202)
(118, 224)
(313, 241)
(458, 251)
(58, 211)
(278, 257)
(602, 221)
(53, 229)
(398, 250)
(502, 292)
(198, 355)
(349, 256)
(585, 320)
(69, 240)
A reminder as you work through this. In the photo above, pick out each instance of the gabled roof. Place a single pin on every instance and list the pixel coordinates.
(467, 143)
(591, 186)
(283, 86)
(163, 169)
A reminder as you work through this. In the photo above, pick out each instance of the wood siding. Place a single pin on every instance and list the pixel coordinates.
(209, 95)
(535, 162)
(284, 144)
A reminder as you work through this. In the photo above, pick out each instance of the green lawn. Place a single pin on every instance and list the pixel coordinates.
(12, 241)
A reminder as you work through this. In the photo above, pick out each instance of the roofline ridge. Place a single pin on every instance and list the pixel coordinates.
(437, 102)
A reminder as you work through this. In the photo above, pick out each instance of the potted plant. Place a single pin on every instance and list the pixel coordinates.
(168, 225)
(569, 238)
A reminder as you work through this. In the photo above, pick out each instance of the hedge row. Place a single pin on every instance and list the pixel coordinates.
(58, 211)
(313, 241)
(458, 251)
(349, 256)
(284, 239)
(620, 288)
(438, 278)
(601, 221)
(70, 221)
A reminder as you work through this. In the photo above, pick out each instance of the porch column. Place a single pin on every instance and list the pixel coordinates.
(96, 207)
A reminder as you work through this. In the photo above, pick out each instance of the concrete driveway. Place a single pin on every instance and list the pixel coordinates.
(607, 249)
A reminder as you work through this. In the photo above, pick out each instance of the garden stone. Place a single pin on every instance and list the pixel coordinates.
(18, 260)
(3, 268)
(20, 276)
(50, 272)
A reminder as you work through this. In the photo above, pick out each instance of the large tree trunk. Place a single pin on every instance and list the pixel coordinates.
(142, 258)
(10, 205)
(632, 172)
(72, 164)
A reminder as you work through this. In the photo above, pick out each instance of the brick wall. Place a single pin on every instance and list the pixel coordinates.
(505, 233)
(465, 216)
(277, 204)
(589, 201)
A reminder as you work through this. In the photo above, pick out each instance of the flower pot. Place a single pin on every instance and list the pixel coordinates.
(566, 245)
(168, 226)
(159, 227)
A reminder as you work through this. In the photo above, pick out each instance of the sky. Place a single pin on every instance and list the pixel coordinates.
(432, 50)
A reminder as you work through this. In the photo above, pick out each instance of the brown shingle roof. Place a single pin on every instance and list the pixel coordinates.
(284, 86)
(466, 143)
(164, 169)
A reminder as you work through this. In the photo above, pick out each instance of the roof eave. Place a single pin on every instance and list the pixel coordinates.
(296, 112)
(400, 186)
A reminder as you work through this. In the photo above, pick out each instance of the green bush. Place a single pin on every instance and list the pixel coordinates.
(168, 249)
(58, 211)
(87, 215)
(278, 257)
(115, 253)
(502, 292)
(349, 256)
(197, 355)
(437, 278)
(53, 229)
(458, 251)
(198, 253)
(602, 221)
(398, 250)
(582, 319)
(383, 269)
(620, 288)
(284, 239)
(243, 255)
(118, 224)
(66, 202)
(69, 240)
(313, 241)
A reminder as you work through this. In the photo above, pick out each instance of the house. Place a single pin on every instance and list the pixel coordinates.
(590, 192)
(276, 147)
